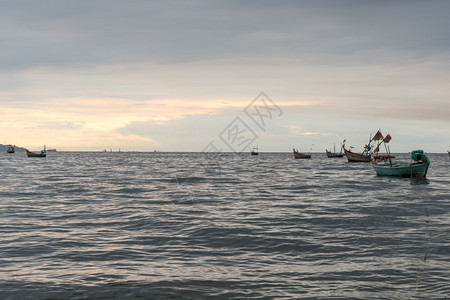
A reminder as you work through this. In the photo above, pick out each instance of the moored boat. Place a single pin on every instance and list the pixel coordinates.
(385, 166)
(33, 154)
(254, 151)
(334, 154)
(366, 155)
(301, 155)
(43, 153)
(356, 157)
(11, 149)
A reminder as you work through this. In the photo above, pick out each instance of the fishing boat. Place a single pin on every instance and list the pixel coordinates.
(11, 149)
(43, 153)
(366, 155)
(334, 154)
(385, 166)
(301, 155)
(356, 157)
(254, 151)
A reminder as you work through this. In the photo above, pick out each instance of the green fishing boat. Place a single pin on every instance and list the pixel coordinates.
(385, 166)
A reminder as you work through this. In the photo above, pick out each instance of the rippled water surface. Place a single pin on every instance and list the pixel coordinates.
(188, 225)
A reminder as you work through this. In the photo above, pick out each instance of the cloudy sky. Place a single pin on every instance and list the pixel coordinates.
(180, 75)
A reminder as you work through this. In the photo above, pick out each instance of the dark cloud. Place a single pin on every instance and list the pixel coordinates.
(88, 32)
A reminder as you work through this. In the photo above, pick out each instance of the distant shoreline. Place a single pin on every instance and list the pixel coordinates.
(199, 152)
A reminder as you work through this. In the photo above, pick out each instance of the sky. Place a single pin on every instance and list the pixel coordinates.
(224, 75)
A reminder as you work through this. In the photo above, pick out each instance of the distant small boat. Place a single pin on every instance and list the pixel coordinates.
(301, 155)
(385, 166)
(11, 149)
(52, 150)
(33, 154)
(448, 153)
(254, 151)
(334, 154)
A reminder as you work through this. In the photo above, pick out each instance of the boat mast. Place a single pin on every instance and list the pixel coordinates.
(368, 145)
(388, 150)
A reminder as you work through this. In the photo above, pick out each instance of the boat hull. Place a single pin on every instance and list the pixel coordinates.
(401, 169)
(355, 157)
(334, 155)
(32, 154)
(301, 155)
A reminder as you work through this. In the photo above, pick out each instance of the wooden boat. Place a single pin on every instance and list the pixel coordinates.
(301, 155)
(366, 155)
(11, 149)
(356, 157)
(385, 166)
(33, 154)
(254, 151)
(334, 154)
(43, 153)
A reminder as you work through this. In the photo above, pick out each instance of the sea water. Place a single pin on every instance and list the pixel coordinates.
(78, 225)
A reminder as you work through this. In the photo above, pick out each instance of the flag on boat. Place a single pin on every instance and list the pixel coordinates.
(378, 136)
(387, 138)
